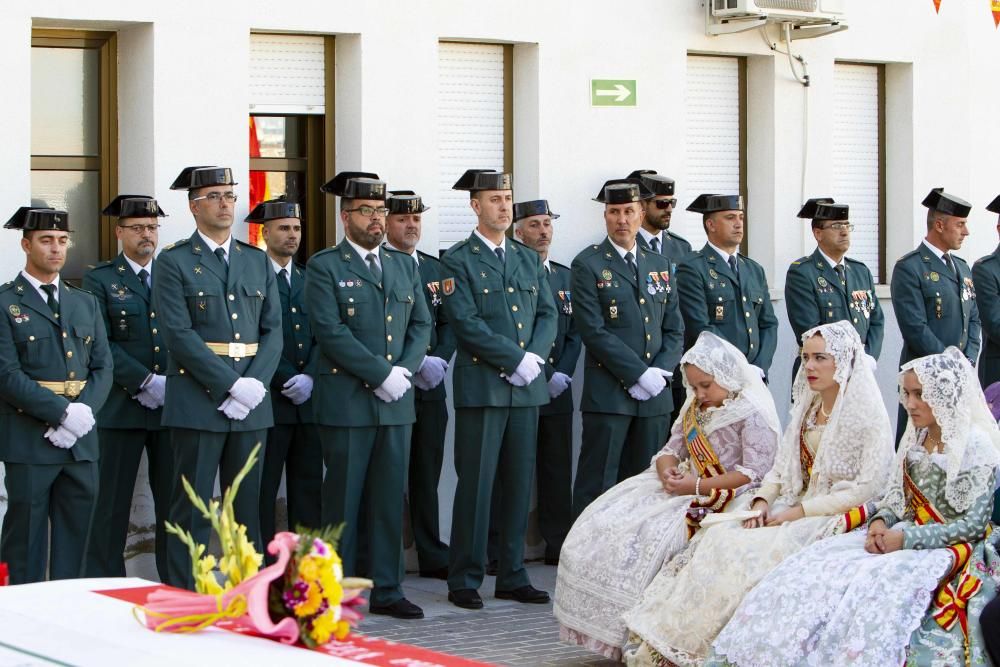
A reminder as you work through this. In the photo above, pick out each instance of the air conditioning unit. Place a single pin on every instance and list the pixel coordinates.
(808, 18)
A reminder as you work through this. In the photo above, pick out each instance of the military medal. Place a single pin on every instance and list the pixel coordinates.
(606, 274)
(938, 307)
(934, 276)
(970, 290)
(822, 281)
(568, 306)
(434, 287)
(711, 272)
(350, 311)
(720, 312)
(613, 311)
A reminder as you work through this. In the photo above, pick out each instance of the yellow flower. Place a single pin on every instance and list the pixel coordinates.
(311, 604)
(310, 568)
(323, 627)
(205, 581)
(343, 629)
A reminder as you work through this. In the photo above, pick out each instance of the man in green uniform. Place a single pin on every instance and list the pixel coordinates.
(724, 292)
(932, 290)
(216, 303)
(554, 465)
(628, 315)
(293, 446)
(828, 286)
(986, 275)
(402, 232)
(655, 235)
(129, 422)
(504, 319)
(372, 328)
(55, 373)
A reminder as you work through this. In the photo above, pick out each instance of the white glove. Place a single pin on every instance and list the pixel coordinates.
(872, 364)
(529, 368)
(558, 383)
(79, 419)
(152, 394)
(638, 393)
(248, 391)
(760, 371)
(431, 372)
(383, 395)
(61, 437)
(653, 381)
(298, 389)
(396, 384)
(514, 379)
(234, 409)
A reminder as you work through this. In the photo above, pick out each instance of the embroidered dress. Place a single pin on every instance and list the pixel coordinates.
(836, 604)
(693, 597)
(622, 539)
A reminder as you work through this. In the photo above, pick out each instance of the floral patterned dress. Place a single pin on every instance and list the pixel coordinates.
(836, 604)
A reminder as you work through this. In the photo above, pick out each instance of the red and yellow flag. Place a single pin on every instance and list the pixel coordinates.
(995, 8)
(937, 6)
(258, 187)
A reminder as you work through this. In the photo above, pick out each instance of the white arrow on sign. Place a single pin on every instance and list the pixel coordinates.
(620, 93)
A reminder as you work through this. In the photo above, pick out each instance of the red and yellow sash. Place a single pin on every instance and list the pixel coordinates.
(707, 463)
(952, 596)
(805, 457)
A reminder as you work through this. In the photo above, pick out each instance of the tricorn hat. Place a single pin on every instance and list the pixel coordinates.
(338, 184)
(404, 202)
(527, 209)
(31, 219)
(274, 209)
(706, 204)
(475, 180)
(192, 178)
(824, 208)
(642, 192)
(621, 193)
(994, 206)
(133, 206)
(658, 185)
(356, 185)
(939, 200)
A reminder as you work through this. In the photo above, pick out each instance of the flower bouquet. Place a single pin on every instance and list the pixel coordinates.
(302, 598)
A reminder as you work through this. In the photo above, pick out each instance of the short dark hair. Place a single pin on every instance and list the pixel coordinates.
(345, 204)
(818, 224)
(932, 215)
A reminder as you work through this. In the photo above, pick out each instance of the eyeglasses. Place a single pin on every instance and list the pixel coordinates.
(216, 197)
(840, 226)
(665, 203)
(369, 211)
(139, 229)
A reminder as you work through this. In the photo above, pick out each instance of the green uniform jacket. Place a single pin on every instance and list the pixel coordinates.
(675, 248)
(34, 346)
(297, 345)
(137, 352)
(195, 304)
(986, 274)
(933, 307)
(566, 347)
(498, 312)
(741, 313)
(814, 296)
(442, 343)
(626, 327)
(363, 329)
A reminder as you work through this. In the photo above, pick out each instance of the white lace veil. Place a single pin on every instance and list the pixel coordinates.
(951, 389)
(857, 443)
(732, 372)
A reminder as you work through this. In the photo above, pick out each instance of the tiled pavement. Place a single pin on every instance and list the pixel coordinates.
(502, 633)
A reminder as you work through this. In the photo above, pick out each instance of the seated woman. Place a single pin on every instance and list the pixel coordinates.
(834, 455)
(911, 588)
(719, 449)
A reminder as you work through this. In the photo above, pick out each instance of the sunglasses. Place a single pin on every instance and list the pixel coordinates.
(663, 204)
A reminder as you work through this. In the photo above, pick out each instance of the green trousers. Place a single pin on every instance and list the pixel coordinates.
(370, 461)
(198, 456)
(426, 457)
(121, 452)
(294, 452)
(41, 498)
(614, 448)
(554, 479)
(491, 443)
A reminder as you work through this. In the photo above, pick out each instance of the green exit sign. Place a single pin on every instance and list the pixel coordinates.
(612, 92)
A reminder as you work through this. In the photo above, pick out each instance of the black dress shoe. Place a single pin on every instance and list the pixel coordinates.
(466, 598)
(526, 594)
(401, 608)
(492, 568)
(440, 573)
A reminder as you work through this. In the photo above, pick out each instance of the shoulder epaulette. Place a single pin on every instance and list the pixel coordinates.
(915, 251)
(6, 286)
(325, 251)
(961, 259)
(247, 245)
(561, 266)
(854, 261)
(800, 261)
(300, 266)
(176, 244)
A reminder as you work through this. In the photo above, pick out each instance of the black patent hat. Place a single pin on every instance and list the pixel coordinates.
(620, 193)
(994, 206)
(528, 209)
(133, 206)
(939, 200)
(33, 219)
(192, 178)
(809, 209)
(706, 204)
(274, 209)
(658, 185)
(642, 192)
(404, 202)
(338, 184)
(476, 180)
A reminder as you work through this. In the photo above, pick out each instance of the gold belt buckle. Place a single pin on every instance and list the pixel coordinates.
(237, 350)
(73, 388)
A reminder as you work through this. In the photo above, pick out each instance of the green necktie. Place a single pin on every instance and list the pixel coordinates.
(51, 300)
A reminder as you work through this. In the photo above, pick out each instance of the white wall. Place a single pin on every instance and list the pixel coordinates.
(183, 85)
